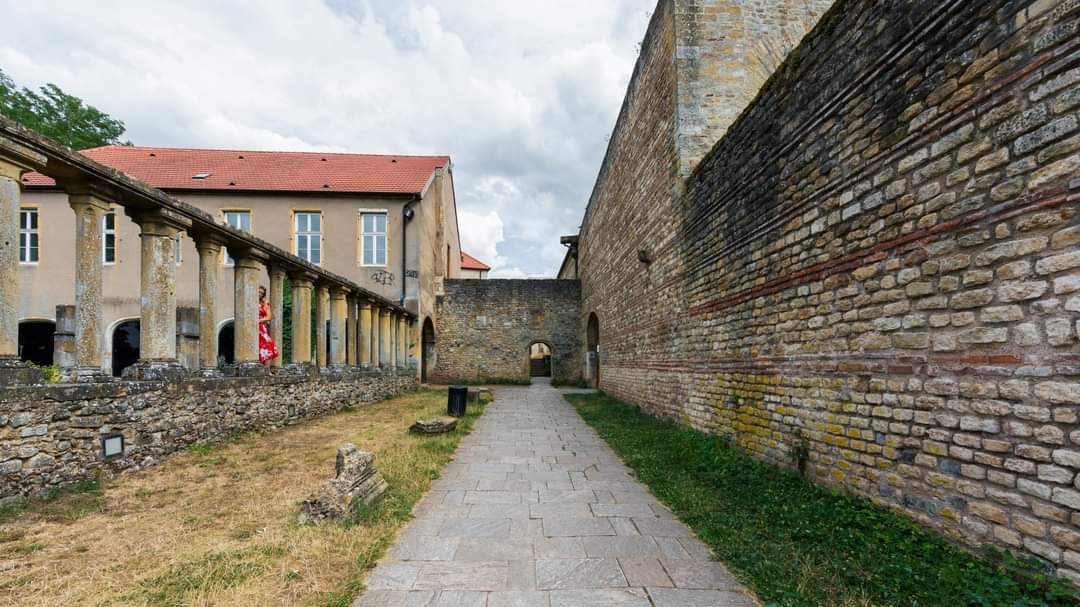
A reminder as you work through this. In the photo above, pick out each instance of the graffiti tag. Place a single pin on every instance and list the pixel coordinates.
(383, 277)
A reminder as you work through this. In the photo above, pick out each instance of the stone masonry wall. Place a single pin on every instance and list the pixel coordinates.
(51, 435)
(879, 261)
(725, 50)
(484, 328)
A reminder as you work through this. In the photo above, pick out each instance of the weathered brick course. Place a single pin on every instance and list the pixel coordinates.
(879, 259)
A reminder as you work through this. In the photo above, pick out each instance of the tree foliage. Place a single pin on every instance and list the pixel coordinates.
(58, 115)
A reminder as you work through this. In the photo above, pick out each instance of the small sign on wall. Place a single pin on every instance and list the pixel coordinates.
(112, 445)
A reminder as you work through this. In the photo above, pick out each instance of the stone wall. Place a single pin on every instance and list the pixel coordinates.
(879, 261)
(484, 328)
(52, 435)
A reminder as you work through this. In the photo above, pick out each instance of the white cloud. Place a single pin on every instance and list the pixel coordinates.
(522, 95)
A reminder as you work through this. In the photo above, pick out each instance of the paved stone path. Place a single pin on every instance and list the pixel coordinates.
(537, 511)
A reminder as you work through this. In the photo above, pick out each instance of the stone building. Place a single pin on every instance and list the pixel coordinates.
(873, 262)
(388, 223)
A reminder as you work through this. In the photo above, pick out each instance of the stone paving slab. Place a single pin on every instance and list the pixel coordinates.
(537, 511)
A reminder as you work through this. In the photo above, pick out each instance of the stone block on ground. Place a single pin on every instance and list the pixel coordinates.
(435, 425)
(356, 483)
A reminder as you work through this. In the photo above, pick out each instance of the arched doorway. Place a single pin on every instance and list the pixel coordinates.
(125, 346)
(226, 344)
(427, 349)
(592, 354)
(539, 359)
(36, 341)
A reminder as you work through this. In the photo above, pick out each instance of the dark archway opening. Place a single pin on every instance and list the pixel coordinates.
(539, 359)
(36, 341)
(592, 354)
(125, 346)
(226, 344)
(427, 353)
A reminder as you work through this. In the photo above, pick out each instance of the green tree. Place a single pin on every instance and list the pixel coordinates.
(58, 116)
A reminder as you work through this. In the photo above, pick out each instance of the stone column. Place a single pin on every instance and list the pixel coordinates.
(338, 314)
(403, 342)
(393, 339)
(14, 161)
(90, 209)
(301, 319)
(350, 333)
(277, 306)
(322, 313)
(365, 334)
(247, 270)
(384, 337)
(209, 248)
(376, 326)
(157, 319)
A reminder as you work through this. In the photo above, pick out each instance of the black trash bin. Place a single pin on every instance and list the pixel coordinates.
(455, 401)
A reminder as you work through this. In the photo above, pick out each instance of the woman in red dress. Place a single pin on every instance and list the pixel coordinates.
(268, 350)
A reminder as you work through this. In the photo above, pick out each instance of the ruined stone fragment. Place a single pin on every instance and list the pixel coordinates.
(357, 483)
(435, 425)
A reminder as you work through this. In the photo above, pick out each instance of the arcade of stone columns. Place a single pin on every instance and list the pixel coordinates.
(366, 330)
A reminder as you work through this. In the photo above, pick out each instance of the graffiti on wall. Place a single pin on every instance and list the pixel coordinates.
(383, 277)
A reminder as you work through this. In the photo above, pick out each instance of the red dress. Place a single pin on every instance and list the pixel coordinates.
(268, 350)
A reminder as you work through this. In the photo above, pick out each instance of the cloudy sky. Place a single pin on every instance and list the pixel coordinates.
(521, 94)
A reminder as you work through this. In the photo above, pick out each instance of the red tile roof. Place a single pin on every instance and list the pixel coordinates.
(468, 262)
(238, 170)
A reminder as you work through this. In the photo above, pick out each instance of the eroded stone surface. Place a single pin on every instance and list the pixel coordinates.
(435, 425)
(356, 483)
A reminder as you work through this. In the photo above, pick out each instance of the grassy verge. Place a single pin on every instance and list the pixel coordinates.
(797, 543)
(216, 525)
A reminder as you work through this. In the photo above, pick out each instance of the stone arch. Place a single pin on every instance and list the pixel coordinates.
(36, 339)
(541, 359)
(427, 349)
(592, 351)
(124, 344)
(226, 342)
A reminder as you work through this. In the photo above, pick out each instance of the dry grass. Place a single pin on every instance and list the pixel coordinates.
(216, 525)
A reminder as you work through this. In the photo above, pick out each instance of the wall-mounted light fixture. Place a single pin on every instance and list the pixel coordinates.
(112, 445)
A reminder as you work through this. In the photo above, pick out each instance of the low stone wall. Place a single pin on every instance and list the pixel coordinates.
(53, 435)
(484, 328)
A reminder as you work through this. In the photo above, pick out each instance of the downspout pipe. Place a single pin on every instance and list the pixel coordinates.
(406, 216)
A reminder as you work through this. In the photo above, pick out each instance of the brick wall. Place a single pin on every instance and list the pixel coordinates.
(51, 435)
(484, 328)
(880, 260)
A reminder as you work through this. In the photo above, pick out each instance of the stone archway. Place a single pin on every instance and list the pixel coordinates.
(540, 360)
(226, 343)
(427, 350)
(592, 352)
(125, 345)
(36, 338)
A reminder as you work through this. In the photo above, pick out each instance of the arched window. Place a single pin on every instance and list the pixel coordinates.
(427, 349)
(125, 346)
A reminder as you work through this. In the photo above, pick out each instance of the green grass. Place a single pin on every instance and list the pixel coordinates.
(213, 571)
(797, 543)
(60, 504)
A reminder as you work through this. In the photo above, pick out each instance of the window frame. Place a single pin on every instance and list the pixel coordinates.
(105, 233)
(295, 233)
(225, 259)
(361, 234)
(36, 209)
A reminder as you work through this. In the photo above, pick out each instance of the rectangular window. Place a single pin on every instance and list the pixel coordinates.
(308, 227)
(176, 248)
(373, 239)
(108, 237)
(28, 235)
(240, 220)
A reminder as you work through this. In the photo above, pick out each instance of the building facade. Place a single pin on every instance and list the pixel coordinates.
(388, 223)
(472, 267)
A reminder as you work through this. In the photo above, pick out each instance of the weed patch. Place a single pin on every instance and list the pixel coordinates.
(797, 543)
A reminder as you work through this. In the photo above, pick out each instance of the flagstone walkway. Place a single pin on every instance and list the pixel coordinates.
(537, 511)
